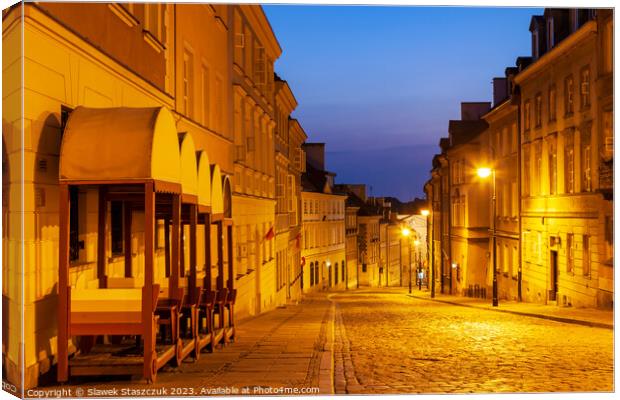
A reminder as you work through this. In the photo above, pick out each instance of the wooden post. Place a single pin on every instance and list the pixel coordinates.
(208, 260)
(63, 283)
(147, 290)
(127, 237)
(174, 266)
(167, 246)
(231, 277)
(101, 237)
(193, 220)
(220, 254)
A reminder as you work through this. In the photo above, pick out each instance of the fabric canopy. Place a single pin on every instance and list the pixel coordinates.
(120, 144)
(204, 179)
(189, 169)
(217, 200)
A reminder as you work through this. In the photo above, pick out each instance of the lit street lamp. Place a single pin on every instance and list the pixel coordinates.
(430, 262)
(406, 232)
(485, 173)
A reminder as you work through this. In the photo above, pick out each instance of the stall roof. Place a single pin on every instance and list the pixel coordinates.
(120, 144)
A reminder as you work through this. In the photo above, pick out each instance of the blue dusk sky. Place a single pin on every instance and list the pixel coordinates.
(379, 84)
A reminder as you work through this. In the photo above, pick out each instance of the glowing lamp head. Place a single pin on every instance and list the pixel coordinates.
(425, 213)
(416, 242)
(405, 232)
(484, 172)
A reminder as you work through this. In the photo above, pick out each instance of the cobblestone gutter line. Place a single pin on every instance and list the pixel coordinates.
(345, 380)
(326, 368)
(574, 321)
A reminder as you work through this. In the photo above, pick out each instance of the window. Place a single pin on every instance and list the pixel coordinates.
(116, 220)
(586, 255)
(535, 49)
(336, 273)
(74, 224)
(586, 160)
(552, 103)
(550, 34)
(538, 110)
(311, 274)
(154, 20)
(569, 253)
(584, 88)
(553, 166)
(526, 115)
(538, 166)
(206, 96)
(568, 95)
(219, 101)
(188, 82)
(569, 161)
(259, 68)
(526, 171)
(342, 266)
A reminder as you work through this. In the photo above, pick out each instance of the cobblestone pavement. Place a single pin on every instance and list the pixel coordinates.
(392, 343)
(285, 348)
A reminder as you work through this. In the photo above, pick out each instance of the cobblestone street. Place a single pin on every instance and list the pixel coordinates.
(384, 341)
(392, 343)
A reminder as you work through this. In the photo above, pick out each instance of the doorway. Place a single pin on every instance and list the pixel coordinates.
(553, 281)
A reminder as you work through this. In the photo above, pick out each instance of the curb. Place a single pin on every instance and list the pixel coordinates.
(525, 314)
(326, 367)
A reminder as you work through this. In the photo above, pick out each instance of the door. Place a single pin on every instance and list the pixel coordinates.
(553, 282)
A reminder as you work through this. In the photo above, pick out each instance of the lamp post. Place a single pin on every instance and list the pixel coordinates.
(429, 261)
(419, 268)
(406, 232)
(485, 173)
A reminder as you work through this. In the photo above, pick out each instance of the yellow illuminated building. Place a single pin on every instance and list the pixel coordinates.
(216, 98)
(323, 216)
(566, 102)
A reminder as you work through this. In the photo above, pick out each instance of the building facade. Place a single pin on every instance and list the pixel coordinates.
(323, 213)
(221, 98)
(566, 122)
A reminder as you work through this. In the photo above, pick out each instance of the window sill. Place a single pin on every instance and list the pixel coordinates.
(153, 41)
(124, 15)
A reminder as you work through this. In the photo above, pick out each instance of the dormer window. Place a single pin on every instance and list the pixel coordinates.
(550, 34)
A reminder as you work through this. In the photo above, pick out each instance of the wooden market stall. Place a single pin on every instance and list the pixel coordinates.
(129, 155)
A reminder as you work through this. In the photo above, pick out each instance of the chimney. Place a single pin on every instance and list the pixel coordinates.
(500, 90)
(472, 111)
(315, 155)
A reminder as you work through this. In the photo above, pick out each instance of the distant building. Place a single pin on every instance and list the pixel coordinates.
(323, 225)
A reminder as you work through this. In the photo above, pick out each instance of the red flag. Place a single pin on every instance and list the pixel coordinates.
(303, 261)
(270, 234)
(298, 241)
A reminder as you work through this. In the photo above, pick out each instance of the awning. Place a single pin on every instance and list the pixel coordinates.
(217, 201)
(120, 145)
(204, 179)
(189, 169)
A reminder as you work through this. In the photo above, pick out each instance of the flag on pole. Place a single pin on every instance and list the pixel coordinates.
(270, 234)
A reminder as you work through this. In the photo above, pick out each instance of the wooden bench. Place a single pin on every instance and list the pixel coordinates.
(230, 306)
(205, 308)
(219, 308)
(117, 311)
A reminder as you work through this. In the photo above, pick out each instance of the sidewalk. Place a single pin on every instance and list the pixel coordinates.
(580, 316)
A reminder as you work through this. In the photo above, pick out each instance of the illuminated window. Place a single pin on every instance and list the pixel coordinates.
(538, 166)
(526, 171)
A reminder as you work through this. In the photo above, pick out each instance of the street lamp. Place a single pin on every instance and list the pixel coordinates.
(430, 262)
(485, 173)
(406, 232)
